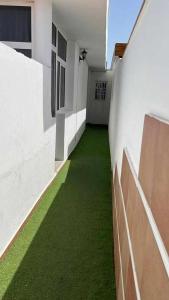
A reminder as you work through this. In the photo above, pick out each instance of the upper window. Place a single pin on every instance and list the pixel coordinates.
(54, 35)
(53, 84)
(100, 91)
(15, 28)
(58, 73)
(62, 46)
(62, 87)
(15, 23)
(26, 52)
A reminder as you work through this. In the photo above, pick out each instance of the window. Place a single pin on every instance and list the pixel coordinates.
(53, 84)
(59, 48)
(54, 35)
(15, 28)
(62, 87)
(15, 23)
(100, 91)
(58, 85)
(26, 52)
(62, 46)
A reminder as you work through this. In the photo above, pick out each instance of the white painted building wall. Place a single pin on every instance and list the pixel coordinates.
(29, 134)
(98, 110)
(71, 121)
(140, 82)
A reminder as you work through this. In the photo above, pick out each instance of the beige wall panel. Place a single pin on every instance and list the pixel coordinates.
(154, 172)
(116, 255)
(116, 242)
(125, 177)
(155, 282)
(120, 291)
(130, 291)
(160, 192)
(131, 203)
(125, 259)
(139, 229)
(148, 155)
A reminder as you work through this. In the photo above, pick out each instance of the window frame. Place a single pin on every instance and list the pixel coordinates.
(21, 45)
(62, 64)
(99, 91)
(55, 49)
(59, 32)
(60, 100)
(53, 84)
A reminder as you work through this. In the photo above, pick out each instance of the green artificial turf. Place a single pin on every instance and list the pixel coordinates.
(64, 251)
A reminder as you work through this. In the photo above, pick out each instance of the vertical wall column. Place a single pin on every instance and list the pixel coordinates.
(42, 31)
(42, 41)
(70, 74)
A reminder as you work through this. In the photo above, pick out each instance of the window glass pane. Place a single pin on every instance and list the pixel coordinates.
(54, 33)
(100, 91)
(26, 52)
(53, 84)
(58, 85)
(15, 23)
(62, 88)
(62, 46)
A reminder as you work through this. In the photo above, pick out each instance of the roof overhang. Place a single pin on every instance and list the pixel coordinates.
(86, 23)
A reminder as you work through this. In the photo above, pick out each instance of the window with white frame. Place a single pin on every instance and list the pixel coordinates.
(100, 90)
(15, 27)
(58, 70)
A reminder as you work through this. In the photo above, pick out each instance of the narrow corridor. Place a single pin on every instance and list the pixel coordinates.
(65, 250)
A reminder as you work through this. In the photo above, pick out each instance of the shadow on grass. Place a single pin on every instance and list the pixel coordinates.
(70, 257)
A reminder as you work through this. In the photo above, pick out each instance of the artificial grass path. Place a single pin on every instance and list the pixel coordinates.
(64, 251)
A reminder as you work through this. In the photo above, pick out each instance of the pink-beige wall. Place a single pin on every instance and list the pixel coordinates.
(140, 219)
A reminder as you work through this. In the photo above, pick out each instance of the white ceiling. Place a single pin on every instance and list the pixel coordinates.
(85, 22)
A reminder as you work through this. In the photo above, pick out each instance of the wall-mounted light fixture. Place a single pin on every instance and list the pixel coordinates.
(83, 55)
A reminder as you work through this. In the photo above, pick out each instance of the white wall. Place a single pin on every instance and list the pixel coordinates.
(28, 131)
(98, 111)
(141, 82)
(42, 40)
(81, 98)
(29, 135)
(42, 31)
(27, 151)
(71, 121)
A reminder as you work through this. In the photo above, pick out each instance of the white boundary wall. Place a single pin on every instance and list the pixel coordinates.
(27, 156)
(140, 82)
(29, 134)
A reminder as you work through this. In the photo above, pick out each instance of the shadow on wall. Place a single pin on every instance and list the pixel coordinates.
(68, 132)
(77, 137)
(70, 257)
